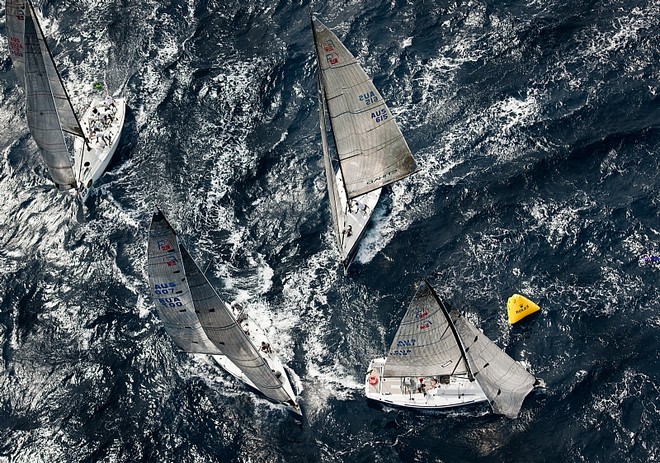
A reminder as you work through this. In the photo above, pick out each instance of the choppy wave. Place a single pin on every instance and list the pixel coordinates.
(536, 131)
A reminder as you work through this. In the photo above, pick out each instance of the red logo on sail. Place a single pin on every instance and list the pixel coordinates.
(15, 46)
(332, 58)
(171, 261)
(328, 46)
(165, 245)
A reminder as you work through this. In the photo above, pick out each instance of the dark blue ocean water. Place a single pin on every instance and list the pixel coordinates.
(536, 126)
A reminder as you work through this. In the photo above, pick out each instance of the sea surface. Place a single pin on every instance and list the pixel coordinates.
(536, 127)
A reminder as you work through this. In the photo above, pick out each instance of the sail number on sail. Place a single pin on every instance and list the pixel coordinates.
(380, 115)
(170, 302)
(164, 288)
(368, 98)
(404, 343)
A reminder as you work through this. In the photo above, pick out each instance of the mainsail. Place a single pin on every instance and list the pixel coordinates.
(426, 342)
(169, 288)
(371, 149)
(504, 381)
(49, 110)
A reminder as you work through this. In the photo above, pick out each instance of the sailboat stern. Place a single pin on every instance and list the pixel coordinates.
(373, 379)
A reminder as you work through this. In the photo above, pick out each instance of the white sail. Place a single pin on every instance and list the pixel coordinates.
(371, 149)
(42, 112)
(15, 25)
(505, 382)
(198, 321)
(426, 343)
(225, 332)
(170, 290)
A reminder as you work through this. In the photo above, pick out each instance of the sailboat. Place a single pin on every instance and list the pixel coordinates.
(50, 113)
(198, 321)
(439, 360)
(371, 151)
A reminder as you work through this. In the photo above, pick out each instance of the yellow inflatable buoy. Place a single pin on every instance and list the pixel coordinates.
(518, 307)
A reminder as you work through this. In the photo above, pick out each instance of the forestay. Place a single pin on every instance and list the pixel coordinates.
(504, 381)
(223, 330)
(425, 343)
(170, 290)
(371, 149)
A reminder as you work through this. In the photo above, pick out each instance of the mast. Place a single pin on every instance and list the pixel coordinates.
(331, 179)
(459, 341)
(322, 105)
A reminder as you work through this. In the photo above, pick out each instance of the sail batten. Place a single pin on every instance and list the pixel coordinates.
(221, 326)
(170, 290)
(42, 114)
(371, 150)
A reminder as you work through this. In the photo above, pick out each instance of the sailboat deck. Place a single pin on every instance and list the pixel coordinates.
(91, 161)
(356, 214)
(430, 392)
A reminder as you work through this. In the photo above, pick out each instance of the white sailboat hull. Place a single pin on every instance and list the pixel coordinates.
(355, 220)
(439, 393)
(90, 162)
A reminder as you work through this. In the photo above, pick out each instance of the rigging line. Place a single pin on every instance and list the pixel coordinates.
(453, 329)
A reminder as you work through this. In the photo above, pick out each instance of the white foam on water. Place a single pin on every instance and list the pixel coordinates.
(609, 406)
